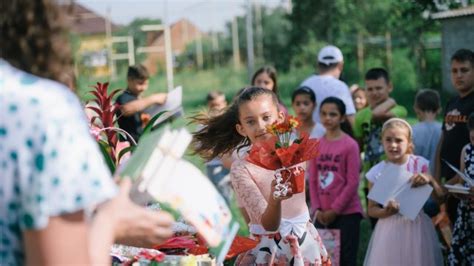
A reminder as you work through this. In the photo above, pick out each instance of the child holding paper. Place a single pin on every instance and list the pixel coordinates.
(462, 245)
(397, 240)
(132, 102)
(280, 224)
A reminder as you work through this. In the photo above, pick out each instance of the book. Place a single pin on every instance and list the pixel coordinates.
(459, 189)
(393, 182)
(161, 175)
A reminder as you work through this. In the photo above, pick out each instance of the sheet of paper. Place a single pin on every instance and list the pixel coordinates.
(394, 183)
(466, 178)
(412, 199)
(173, 101)
(457, 189)
(389, 180)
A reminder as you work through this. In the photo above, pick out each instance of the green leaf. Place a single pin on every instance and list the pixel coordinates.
(149, 126)
(104, 148)
(124, 151)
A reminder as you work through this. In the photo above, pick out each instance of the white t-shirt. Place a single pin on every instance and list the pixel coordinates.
(325, 86)
(317, 132)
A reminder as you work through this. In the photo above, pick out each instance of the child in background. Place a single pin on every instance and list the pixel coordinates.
(216, 103)
(426, 134)
(359, 97)
(462, 245)
(397, 240)
(334, 179)
(132, 103)
(282, 225)
(427, 131)
(368, 121)
(266, 77)
(303, 102)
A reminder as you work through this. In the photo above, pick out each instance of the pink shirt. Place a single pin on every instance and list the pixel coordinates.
(334, 176)
(252, 185)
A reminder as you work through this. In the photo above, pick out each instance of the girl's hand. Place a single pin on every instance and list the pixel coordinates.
(392, 207)
(442, 219)
(328, 217)
(288, 195)
(420, 179)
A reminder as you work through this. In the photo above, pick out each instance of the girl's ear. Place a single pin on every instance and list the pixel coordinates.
(281, 117)
(240, 130)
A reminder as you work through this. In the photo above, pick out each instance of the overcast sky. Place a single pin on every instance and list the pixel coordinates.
(207, 15)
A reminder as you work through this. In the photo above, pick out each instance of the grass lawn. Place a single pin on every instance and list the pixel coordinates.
(196, 85)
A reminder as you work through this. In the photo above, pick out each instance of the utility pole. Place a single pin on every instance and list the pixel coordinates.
(259, 30)
(249, 30)
(199, 53)
(108, 36)
(235, 44)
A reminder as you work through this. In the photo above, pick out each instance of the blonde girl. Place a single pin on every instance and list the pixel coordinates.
(396, 240)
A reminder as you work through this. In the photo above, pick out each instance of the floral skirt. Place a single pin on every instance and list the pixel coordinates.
(462, 246)
(273, 249)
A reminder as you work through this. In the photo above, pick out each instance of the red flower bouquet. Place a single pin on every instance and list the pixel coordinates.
(283, 153)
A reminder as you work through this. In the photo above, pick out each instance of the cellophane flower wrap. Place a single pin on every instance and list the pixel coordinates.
(284, 153)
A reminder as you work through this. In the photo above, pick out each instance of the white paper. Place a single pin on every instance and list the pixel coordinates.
(412, 199)
(467, 179)
(389, 180)
(457, 189)
(172, 106)
(394, 183)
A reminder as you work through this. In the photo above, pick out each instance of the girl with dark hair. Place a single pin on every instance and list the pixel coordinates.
(303, 101)
(334, 179)
(281, 225)
(266, 77)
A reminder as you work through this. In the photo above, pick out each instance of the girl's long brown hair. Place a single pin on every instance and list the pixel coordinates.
(34, 39)
(219, 135)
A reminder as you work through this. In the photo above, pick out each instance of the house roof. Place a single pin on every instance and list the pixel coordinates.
(86, 21)
(460, 12)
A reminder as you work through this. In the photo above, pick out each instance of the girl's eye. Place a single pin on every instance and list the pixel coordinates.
(266, 118)
(250, 122)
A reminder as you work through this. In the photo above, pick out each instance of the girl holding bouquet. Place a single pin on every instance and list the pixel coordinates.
(396, 240)
(334, 179)
(281, 224)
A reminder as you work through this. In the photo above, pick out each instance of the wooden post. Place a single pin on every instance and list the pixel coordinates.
(388, 49)
(360, 55)
(235, 44)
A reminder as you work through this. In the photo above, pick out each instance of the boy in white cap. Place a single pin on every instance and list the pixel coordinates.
(327, 83)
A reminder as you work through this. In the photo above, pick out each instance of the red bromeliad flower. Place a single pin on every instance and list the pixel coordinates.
(104, 120)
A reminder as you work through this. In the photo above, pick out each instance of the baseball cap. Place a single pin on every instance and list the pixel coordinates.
(329, 55)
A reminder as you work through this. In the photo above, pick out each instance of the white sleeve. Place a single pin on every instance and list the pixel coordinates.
(346, 97)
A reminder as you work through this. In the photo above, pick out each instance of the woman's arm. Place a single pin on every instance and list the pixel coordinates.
(64, 240)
